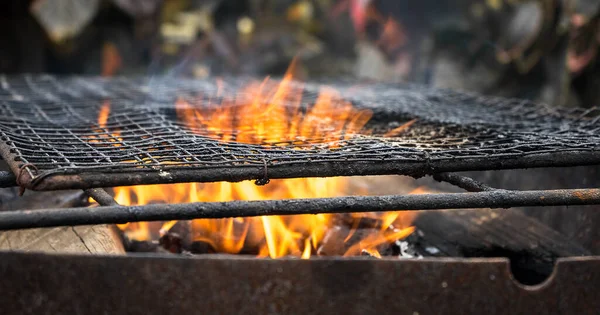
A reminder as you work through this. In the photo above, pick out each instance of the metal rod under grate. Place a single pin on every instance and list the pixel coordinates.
(213, 210)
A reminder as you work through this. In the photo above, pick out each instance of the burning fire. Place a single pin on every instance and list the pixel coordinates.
(272, 115)
(269, 236)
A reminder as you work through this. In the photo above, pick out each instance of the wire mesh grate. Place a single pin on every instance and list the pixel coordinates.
(50, 127)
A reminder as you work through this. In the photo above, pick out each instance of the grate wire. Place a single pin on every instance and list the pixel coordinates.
(51, 122)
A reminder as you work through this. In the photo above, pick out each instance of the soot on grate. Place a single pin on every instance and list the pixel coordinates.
(49, 126)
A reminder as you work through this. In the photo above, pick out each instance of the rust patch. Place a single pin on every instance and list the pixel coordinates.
(585, 194)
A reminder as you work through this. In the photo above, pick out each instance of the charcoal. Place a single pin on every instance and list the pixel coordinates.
(183, 231)
(171, 242)
(201, 247)
(134, 246)
(333, 242)
(361, 223)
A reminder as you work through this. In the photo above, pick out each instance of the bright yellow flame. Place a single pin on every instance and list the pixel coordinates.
(307, 249)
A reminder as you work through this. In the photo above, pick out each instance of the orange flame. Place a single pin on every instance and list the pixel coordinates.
(272, 236)
(103, 115)
(271, 116)
(102, 137)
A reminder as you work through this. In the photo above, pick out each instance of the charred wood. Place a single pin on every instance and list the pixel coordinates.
(574, 222)
(333, 242)
(531, 246)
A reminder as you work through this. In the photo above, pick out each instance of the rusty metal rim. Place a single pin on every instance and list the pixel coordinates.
(560, 261)
(55, 180)
(36, 283)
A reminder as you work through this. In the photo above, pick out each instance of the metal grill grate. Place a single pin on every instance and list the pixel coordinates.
(50, 136)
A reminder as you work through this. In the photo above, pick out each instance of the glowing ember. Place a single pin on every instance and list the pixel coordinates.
(271, 116)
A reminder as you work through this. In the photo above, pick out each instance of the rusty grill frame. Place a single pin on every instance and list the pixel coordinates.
(48, 125)
(47, 284)
(513, 134)
(240, 285)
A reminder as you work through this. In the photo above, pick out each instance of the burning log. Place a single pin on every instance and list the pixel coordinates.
(361, 235)
(333, 243)
(172, 242)
(176, 238)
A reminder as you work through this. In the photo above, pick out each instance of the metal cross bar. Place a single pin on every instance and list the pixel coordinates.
(463, 182)
(10, 220)
(101, 197)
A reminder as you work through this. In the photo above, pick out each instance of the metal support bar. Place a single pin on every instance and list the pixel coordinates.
(99, 177)
(463, 182)
(10, 220)
(7, 179)
(101, 197)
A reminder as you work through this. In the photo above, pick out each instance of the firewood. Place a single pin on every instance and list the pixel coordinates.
(462, 233)
(94, 239)
(201, 247)
(135, 246)
(333, 242)
(531, 245)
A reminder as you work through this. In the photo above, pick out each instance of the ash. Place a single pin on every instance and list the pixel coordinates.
(407, 250)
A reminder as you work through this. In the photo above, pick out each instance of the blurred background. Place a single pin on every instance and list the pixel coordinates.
(544, 50)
